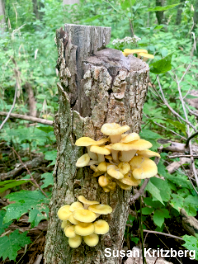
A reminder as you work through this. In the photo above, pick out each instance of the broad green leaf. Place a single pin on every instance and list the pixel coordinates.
(10, 184)
(177, 125)
(126, 3)
(25, 201)
(160, 215)
(181, 180)
(2, 225)
(161, 66)
(92, 18)
(191, 205)
(47, 179)
(51, 155)
(177, 201)
(163, 186)
(147, 210)
(9, 245)
(191, 243)
(46, 129)
(35, 216)
(161, 8)
(154, 191)
(154, 204)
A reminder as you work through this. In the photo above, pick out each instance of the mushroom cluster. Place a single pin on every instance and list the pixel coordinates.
(141, 53)
(121, 159)
(78, 221)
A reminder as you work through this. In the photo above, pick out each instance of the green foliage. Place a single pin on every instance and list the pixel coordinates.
(47, 179)
(161, 66)
(191, 243)
(3, 226)
(5, 185)
(9, 245)
(33, 202)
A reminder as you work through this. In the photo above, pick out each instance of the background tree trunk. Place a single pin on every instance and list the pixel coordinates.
(2, 13)
(179, 12)
(93, 90)
(195, 17)
(160, 14)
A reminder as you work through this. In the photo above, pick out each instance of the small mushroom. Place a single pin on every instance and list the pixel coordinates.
(75, 242)
(100, 151)
(76, 205)
(124, 186)
(84, 229)
(103, 181)
(91, 240)
(114, 131)
(130, 180)
(111, 186)
(143, 167)
(148, 153)
(124, 167)
(69, 231)
(114, 172)
(100, 209)
(65, 223)
(64, 212)
(86, 202)
(83, 161)
(126, 138)
(146, 56)
(134, 51)
(73, 220)
(101, 227)
(85, 216)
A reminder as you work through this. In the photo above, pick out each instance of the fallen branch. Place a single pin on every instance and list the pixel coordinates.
(21, 168)
(29, 118)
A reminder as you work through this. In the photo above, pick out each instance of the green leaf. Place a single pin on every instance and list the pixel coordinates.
(51, 155)
(152, 137)
(25, 201)
(2, 225)
(161, 8)
(154, 204)
(135, 239)
(161, 66)
(177, 201)
(126, 3)
(177, 124)
(191, 243)
(163, 186)
(47, 179)
(9, 245)
(35, 216)
(179, 179)
(147, 210)
(191, 205)
(46, 129)
(154, 191)
(92, 18)
(160, 215)
(10, 184)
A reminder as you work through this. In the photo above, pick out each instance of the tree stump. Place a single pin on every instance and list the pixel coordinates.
(97, 85)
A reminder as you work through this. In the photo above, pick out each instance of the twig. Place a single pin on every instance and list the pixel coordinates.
(171, 109)
(13, 105)
(185, 156)
(32, 178)
(192, 112)
(160, 233)
(188, 131)
(29, 118)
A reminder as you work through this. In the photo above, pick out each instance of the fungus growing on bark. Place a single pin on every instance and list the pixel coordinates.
(84, 229)
(146, 56)
(64, 212)
(85, 216)
(70, 231)
(134, 51)
(114, 172)
(83, 161)
(91, 240)
(101, 227)
(100, 151)
(75, 242)
(100, 209)
(114, 131)
(86, 202)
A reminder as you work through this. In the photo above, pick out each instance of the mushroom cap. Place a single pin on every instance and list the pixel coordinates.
(64, 212)
(114, 172)
(84, 229)
(146, 55)
(65, 223)
(73, 220)
(84, 142)
(102, 166)
(126, 138)
(69, 231)
(143, 167)
(75, 205)
(113, 129)
(101, 227)
(148, 153)
(130, 180)
(91, 240)
(139, 144)
(75, 242)
(124, 167)
(100, 209)
(111, 186)
(100, 150)
(124, 186)
(133, 51)
(83, 161)
(83, 200)
(85, 216)
(105, 189)
(103, 181)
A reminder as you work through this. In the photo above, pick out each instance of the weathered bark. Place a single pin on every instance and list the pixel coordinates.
(97, 86)
(2, 13)
(179, 12)
(195, 17)
(36, 6)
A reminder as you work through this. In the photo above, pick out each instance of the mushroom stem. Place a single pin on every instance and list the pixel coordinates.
(127, 155)
(92, 155)
(114, 155)
(115, 138)
(101, 158)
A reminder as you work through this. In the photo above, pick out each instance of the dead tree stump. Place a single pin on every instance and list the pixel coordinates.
(97, 85)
